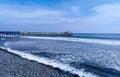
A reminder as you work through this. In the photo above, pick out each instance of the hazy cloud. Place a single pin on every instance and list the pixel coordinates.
(105, 14)
(104, 17)
(30, 15)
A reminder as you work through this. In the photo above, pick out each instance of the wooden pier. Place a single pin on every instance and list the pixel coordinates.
(11, 34)
(46, 34)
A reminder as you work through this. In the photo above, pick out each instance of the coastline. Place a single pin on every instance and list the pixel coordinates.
(12, 65)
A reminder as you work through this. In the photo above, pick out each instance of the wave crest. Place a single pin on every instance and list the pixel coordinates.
(53, 63)
(99, 41)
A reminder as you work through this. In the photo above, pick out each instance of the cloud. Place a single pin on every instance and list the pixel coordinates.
(75, 8)
(105, 18)
(106, 14)
(17, 14)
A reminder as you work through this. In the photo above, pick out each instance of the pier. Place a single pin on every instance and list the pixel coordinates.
(11, 34)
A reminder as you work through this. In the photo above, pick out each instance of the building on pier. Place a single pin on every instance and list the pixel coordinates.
(9, 33)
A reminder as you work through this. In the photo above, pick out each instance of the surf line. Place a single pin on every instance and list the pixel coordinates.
(52, 63)
(97, 41)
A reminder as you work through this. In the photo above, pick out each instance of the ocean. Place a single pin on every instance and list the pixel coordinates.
(84, 54)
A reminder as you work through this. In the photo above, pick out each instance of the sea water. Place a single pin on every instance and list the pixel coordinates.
(85, 54)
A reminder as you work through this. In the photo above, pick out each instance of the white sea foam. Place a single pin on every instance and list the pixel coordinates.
(99, 41)
(52, 63)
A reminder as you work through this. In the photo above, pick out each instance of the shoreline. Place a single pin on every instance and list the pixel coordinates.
(12, 65)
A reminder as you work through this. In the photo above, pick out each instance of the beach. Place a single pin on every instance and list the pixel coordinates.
(12, 65)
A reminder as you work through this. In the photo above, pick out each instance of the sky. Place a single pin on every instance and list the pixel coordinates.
(79, 16)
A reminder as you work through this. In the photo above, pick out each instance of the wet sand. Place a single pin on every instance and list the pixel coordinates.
(12, 65)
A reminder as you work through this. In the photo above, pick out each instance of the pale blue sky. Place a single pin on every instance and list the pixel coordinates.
(86, 16)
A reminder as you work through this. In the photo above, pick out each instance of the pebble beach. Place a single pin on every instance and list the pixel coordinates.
(12, 65)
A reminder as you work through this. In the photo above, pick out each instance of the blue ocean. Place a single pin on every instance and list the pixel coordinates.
(84, 54)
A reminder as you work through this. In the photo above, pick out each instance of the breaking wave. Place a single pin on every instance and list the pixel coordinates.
(53, 63)
(86, 40)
